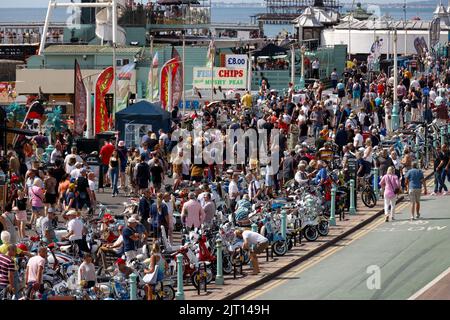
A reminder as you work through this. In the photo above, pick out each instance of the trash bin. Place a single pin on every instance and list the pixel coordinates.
(94, 164)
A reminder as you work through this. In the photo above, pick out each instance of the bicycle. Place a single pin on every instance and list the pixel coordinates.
(367, 193)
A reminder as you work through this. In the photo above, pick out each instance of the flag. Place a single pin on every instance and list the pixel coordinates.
(168, 72)
(104, 82)
(80, 101)
(211, 54)
(123, 84)
(177, 87)
(36, 110)
(153, 79)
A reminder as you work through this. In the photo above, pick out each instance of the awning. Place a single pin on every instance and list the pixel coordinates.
(283, 56)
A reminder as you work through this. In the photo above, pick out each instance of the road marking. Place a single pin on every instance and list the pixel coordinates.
(429, 285)
(315, 260)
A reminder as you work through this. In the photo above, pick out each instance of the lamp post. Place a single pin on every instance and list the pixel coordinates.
(302, 74)
(293, 64)
(395, 110)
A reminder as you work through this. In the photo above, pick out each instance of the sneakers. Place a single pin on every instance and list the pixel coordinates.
(434, 194)
(445, 193)
(418, 215)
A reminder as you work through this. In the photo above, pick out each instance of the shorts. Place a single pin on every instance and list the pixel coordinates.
(341, 93)
(414, 195)
(197, 178)
(21, 215)
(261, 247)
(50, 198)
(37, 209)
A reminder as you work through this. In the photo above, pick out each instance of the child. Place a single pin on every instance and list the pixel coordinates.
(86, 273)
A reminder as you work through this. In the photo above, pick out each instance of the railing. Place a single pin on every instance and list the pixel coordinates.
(32, 39)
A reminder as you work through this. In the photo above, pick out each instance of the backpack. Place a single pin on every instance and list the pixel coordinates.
(367, 121)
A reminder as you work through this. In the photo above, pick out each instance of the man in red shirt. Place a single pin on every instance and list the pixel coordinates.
(105, 154)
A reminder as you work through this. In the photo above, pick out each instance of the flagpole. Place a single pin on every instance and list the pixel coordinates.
(169, 90)
(114, 36)
(89, 109)
(151, 69)
(183, 93)
(213, 52)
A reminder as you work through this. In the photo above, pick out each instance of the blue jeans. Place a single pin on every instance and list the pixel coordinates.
(316, 130)
(114, 173)
(444, 174)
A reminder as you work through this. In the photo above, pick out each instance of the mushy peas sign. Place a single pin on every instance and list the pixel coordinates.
(226, 78)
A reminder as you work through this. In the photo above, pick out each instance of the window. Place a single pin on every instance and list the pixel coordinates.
(134, 133)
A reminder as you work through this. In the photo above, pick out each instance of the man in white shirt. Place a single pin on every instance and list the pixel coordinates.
(233, 191)
(71, 155)
(358, 140)
(253, 240)
(75, 228)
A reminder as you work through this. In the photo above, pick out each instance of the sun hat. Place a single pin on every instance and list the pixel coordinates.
(132, 220)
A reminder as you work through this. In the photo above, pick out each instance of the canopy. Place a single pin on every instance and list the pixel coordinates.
(271, 50)
(143, 112)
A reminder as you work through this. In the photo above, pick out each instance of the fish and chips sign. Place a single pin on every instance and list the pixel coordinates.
(226, 78)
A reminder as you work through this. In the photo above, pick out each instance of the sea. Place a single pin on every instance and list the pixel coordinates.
(219, 15)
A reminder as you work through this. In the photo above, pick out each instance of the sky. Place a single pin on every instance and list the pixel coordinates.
(44, 3)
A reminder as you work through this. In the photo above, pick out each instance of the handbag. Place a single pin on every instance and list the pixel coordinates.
(150, 278)
(396, 190)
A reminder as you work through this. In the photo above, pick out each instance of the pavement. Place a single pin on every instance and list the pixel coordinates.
(402, 259)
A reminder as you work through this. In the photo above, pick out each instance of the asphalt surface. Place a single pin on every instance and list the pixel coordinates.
(388, 260)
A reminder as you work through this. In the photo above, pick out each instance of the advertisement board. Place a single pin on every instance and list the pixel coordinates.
(236, 61)
(226, 78)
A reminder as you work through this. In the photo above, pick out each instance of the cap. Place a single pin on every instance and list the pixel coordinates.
(83, 170)
(50, 209)
(70, 213)
(121, 143)
(132, 220)
(120, 261)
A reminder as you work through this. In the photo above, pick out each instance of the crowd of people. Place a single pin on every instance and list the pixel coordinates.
(318, 131)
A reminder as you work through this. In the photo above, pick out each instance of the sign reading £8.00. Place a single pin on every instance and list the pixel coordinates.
(226, 78)
(236, 60)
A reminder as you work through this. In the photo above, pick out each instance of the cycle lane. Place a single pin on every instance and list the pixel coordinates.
(392, 261)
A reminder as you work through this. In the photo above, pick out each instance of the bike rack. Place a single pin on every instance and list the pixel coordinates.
(235, 267)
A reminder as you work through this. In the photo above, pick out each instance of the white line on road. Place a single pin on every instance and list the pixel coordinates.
(429, 285)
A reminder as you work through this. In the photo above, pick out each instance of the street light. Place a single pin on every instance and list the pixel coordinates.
(302, 74)
(395, 111)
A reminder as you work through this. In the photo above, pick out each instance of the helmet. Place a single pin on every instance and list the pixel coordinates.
(22, 247)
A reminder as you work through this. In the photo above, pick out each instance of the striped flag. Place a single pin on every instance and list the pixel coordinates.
(211, 54)
(153, 79)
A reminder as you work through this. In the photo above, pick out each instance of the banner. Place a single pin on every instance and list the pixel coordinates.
(80, 103)
(168, 73)
(152, 81)
(123, 84)
(7, 92)
(104, 82)
(226, 78)
(177, 88)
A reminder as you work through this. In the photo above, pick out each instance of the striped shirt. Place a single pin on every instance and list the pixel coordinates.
(6, 265)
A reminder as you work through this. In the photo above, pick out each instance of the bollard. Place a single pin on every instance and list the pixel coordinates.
(219, 275)
(180, 291)
(375, 183)
(352, 208)
(283, 224)
(133, 286)
(332, 220)
(442, 135)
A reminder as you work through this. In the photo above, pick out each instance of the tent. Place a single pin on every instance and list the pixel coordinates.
(139, 116)
(271, 50)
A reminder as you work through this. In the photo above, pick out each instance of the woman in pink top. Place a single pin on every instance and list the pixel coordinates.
(37, 199)
(390, 183)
